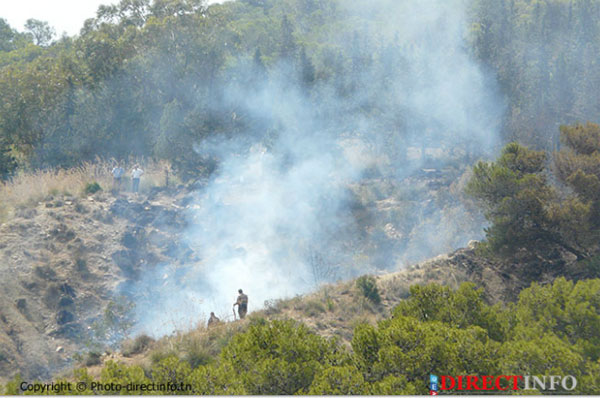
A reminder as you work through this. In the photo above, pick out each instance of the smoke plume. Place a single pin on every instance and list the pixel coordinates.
(282, 214)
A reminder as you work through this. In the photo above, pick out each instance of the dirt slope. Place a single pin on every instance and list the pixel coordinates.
(61, 260)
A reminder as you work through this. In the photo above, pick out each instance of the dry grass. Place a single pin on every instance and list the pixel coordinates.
(199, 346)
(28, 188)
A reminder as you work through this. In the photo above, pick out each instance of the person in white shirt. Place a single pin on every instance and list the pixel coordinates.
(136, 173)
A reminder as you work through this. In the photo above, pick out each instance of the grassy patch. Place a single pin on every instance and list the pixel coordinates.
(313, 308)
(367, 285)
(136, 346)
(197, 347)
(27, 188)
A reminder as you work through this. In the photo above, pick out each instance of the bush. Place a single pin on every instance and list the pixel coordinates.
(91, 188)
(171, 370)
(515, 195)
(160, 354)
(368, 287)
(92, 359)
(279, 357)
(140, 344)
(339, 380)
(551, 330)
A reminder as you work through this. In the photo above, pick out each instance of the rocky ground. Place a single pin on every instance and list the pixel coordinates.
(61, 261)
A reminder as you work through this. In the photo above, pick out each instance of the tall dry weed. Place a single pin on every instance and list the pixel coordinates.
(30, 187)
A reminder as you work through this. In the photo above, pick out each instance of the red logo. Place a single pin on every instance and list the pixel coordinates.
(506, 382)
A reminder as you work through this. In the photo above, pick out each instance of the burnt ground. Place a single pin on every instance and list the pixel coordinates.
(61, 261)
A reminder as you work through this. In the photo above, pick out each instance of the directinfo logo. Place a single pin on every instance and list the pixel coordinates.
(501, 383)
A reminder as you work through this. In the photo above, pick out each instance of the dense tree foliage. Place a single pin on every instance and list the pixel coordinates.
(544, 53)
(154, 77)
(527, 211)
(550, 330)
(515, 193)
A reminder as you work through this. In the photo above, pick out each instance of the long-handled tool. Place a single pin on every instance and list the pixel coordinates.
(233, 309)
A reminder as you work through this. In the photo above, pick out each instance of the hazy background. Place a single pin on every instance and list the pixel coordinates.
(278, 217)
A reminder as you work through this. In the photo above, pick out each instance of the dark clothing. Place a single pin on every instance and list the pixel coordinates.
(213, 320)
(242, 310)
(135, 184)
(242, 299)
(242, 303)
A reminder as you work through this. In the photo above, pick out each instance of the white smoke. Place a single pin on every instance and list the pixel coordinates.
(275, 218)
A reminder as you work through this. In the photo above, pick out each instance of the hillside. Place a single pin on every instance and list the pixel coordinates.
(79, 270)
(336, 309)
(62, 263)
(342, 313)
(359, 168)
(67, 259)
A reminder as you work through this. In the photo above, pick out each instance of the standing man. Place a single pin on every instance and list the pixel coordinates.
(117, 173)
(136, 173)
(242, 303)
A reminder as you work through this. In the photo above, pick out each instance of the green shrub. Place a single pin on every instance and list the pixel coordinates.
(116, 373)
(140, 344)
(330, 304)
(279, 357)
(339, 380)
(213, 380)
(92, 188)
(171, 370)
(368, 287)
(160, 354)
(13, 386)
